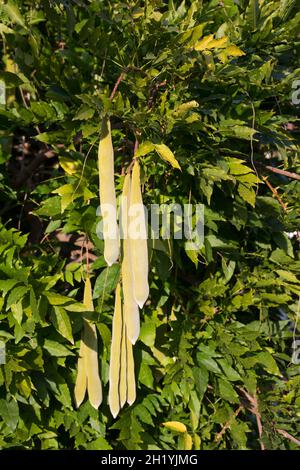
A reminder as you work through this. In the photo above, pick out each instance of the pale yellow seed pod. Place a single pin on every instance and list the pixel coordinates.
(81, 380)
(131, 387)
(138, 240)
(91, 365)
(131, 310)
(108, 194)
(115, 356)
(88, 368)
(123, 368)
(175, 426)
(91, 357)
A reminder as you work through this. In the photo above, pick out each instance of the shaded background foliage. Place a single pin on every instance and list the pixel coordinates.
(216, 344)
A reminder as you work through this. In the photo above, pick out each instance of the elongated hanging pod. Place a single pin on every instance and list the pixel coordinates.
(115, 356)
(130, 306)
(138, 239)
(88, 369)
(107, 194)
(131, 388)
(81, 380)
(123, 365)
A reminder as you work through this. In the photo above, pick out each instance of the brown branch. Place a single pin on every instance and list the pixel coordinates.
(228, 424)
(288, 174)
(275, 193)
(273, 169)
(121, 76)
(288, 436)
(253, 408)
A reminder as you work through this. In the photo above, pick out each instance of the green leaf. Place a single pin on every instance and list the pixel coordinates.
(9, 412)
(208, 362)
(107, 281)
(7, 284)
(52, 226)
(56, 349)
(253, 13)
(99, 444)
(230, 373)
(68, 195)
(62, 323)
(145, 375)
(14, 13)
(84, 113)
(200, 374)
(248, 194)
(105, 334)
(15, 295)
(57, 299)
(287, 276)
(227, 391)
(147, 333)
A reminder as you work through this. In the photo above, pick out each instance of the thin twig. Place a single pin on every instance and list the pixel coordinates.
(251, 142)
(228, 424)
(275, 193)
(83, 167)
(122, 75)
(272, 169)
(288, 174)
(288, 436)
(254, 409)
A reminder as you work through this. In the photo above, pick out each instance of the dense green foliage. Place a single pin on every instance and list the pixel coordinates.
(215, 350)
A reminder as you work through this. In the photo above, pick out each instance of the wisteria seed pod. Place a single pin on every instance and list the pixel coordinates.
(108, 194)
(138, 240)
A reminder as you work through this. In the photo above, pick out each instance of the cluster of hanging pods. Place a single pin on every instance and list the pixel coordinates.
(132, 290)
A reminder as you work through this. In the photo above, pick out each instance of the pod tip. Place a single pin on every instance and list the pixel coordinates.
(133, 339)
(78, 403)
(114, 413)
(131, 401)
(96, 404)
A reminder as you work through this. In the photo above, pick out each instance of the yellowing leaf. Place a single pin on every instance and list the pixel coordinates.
(203, 43)
(67, 193)
(188, 441)
(234, 51)
(137, 13)
(185, 107)
(144, 148)
(223, 57)
(175, 426)
(218, 43)
(69, 165)
(166, 154)
(156, 15)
